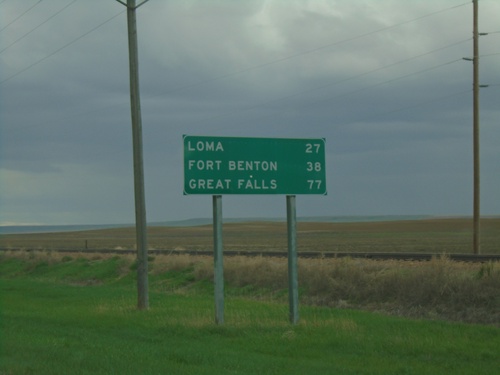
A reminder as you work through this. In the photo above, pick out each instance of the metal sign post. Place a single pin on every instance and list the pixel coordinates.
(218, 260)
(293, 280)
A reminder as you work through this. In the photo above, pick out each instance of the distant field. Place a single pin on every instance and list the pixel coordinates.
(419, 236)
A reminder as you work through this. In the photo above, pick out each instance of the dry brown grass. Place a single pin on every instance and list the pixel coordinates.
(430, 236)
(436, 289)
(439, 288)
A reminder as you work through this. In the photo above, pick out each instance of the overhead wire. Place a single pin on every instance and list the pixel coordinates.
(40, 25)
(235, 73)
(490, 54)
(368, 87)
(61, 48)
(306, 52)
(266, 103)
(428, 101)
(259, 65)
(20, 16)
(365, 88)
(343, 80)
(432, 100)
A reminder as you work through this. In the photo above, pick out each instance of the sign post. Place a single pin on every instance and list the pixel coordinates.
(218, 262)
(293, 279)
(231, 165)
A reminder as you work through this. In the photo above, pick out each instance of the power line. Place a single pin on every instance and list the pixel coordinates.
(22, 14)
(60, 49)
(269, 63)
(370, 87)
(359, 36)
(340, 95)
(401, 109)
(393, 64)
(306, 52)
(266, 103)
(43, 23)
(390, 80)
(263, 104)
(433, 100)
(228, 75)
(352, 78)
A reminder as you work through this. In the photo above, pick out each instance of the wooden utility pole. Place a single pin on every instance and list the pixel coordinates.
(477, 193)
(140, 202)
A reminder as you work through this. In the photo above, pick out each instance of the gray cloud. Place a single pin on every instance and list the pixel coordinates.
(392, 98)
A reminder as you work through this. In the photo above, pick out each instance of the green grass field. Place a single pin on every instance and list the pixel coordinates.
(78, 316)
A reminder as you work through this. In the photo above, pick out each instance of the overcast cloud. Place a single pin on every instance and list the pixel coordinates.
(382, 80)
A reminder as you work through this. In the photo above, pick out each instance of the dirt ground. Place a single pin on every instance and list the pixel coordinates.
(425, 236)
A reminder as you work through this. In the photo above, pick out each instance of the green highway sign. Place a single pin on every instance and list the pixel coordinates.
(232, 165)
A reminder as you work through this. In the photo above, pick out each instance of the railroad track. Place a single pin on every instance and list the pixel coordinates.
(283, 254)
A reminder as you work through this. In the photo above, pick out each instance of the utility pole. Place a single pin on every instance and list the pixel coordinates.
(477, 191)
(140, 202)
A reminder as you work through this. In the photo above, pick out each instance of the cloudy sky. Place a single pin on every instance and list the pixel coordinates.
(382, 80)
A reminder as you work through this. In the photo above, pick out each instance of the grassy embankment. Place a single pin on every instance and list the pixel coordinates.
(438, 289)
(74, 315)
